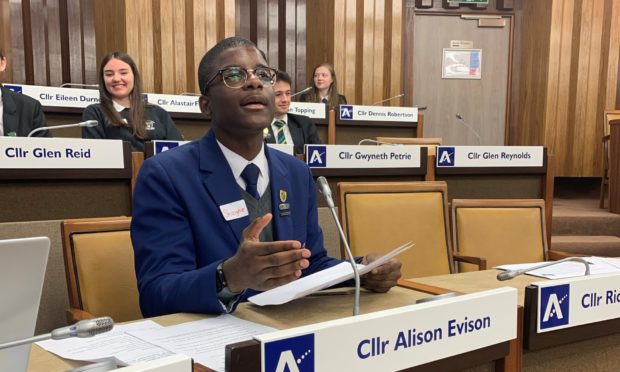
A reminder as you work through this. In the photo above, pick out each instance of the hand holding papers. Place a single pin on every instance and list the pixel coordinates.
(321, 280)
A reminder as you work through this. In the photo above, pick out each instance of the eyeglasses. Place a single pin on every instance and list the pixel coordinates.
(235, 77)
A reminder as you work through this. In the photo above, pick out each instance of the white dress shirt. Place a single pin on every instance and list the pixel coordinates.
(238, 163)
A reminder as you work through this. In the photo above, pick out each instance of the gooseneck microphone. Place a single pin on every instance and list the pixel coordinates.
(458, 116)
(388, 99)
(301, 91)
(512, 273)
(327, 195)
(368, 140)
(79, 85)
(87, 123)
(82, 329)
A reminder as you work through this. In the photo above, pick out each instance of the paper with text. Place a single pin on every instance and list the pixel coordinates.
(598, 265)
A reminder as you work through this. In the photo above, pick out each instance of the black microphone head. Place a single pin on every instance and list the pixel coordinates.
(458, 116)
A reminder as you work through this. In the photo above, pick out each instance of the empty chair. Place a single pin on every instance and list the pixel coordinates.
(501, 231)
(379, 216)
(99, 264)
(609, 116)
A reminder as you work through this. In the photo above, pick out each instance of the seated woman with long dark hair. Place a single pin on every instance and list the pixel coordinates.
(122, 112)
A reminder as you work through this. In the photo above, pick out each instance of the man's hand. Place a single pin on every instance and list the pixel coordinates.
(381, 278)
(264, 265)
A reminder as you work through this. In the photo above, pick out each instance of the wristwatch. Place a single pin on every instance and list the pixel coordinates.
(224, 294)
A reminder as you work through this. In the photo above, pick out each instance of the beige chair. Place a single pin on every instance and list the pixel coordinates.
(99, 264)
(430, 143)
(380, 216)
(608, 117)
(501, 231)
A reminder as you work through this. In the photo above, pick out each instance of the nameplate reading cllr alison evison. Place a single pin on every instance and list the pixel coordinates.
(489, 156)
(378, 113)
(571, 302)
(353, 156)
(60, 153)
(395, 339)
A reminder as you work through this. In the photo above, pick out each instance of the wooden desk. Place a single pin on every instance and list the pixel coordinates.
(301, 312)
(560, 350)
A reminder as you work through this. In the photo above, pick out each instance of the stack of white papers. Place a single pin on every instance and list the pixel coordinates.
(204, 340)
(598, 265)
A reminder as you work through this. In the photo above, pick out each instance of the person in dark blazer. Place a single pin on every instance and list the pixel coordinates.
(20, 114)
(225, 216)
(324, 87)
(289, 128)
(122, 112)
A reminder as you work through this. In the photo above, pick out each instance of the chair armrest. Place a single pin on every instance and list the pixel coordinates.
(478, 261)
(75, 315)
(558, 255)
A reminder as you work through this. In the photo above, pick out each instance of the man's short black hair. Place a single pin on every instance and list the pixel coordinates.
(285, 77)
(206, 67)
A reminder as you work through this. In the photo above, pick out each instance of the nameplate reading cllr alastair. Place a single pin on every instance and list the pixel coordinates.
(378, 113)
(395, 339)
(572, 302)
(60, 153)
(489, 156)
(352, 156)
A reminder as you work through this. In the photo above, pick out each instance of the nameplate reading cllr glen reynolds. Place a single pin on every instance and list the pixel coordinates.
(489, 156)
(60, 153)
(395, 339)
(378, 113)
(573, 302)
(352, 156)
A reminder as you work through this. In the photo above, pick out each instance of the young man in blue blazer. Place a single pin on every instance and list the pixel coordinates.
(222, 217)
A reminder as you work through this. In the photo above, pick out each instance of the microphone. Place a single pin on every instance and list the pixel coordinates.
(388, 99)
(81, 329)
(79, 85)
(368, 140)
(324, 189)
(87, 123)
(302, 91)
(458, 116)
(190, 94)
(512, 273)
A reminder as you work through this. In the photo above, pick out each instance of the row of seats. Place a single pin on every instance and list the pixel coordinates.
(379, 216)
(376, 216)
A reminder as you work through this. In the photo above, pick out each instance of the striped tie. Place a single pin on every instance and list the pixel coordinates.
(280, 137)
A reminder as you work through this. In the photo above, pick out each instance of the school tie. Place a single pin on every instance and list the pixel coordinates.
(250, 176)
(280, 137)
(325, 100)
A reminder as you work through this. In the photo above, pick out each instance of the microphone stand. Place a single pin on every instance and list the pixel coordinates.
(368, 140)
(512, 273)
(87, 123)
(388, 99)
(458, 116)
(327, 194)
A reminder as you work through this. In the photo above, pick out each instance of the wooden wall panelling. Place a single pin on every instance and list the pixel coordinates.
(88, 51)
(139, 34)
(612, 92)
(394, 55)
(5, 39)
(205, 30)
(322, 37)
(54, 66)
(110, 28)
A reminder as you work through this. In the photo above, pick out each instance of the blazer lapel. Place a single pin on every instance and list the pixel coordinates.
(219, 181)
(281, 196)
(9, 116)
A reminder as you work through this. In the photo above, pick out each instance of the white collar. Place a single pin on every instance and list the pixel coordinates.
(118, 107)
(238, 163)
(284, 119)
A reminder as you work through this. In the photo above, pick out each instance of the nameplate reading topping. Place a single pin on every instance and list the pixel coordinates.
(489, 156)
(566, 303)
(234, 210)
(351, 156)
(378, 113)
(60, 153)
(309, 109)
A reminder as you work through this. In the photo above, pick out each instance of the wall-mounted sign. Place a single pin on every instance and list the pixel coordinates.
(460, 63)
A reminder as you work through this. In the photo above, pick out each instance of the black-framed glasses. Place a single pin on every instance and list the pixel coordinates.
(235, 77)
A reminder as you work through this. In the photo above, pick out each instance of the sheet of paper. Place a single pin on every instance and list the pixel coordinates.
(116, 345)
(204, 340)
(320, 280)
(598, 265)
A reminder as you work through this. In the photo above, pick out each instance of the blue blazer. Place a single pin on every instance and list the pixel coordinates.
(180, 236)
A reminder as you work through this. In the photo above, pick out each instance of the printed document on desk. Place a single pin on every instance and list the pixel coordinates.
(321, 280)
(598, 265)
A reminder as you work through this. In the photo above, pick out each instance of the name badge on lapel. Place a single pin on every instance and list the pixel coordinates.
(284, 207)
(234, 210)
